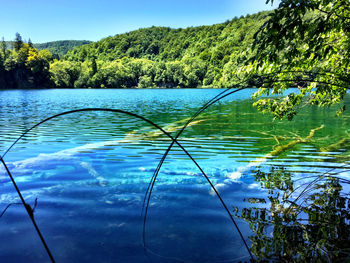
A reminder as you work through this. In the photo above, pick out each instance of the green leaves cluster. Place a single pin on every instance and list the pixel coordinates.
(162, 57)
(205, 56)
(61, 47)
(128, 73)
(314, 227)
(24, 66)
(304, 44)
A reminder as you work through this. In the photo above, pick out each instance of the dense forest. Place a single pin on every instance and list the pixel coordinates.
(24, 66)
(204, 56)
(61, 47)
(57, 48)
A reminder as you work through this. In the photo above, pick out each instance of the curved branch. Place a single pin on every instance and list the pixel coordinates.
(105, 110)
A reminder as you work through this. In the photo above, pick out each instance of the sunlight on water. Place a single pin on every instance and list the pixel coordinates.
(90, 172)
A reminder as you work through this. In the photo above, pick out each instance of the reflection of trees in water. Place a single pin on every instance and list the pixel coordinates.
(307, 222)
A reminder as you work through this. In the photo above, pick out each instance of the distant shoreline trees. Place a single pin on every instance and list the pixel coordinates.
(302, 43)
(153, 57)
(24, 67)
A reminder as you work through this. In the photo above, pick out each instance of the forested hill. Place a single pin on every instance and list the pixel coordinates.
(163, 57)
(57, 48)
(204, 56)
(215, 43)
(61, 47)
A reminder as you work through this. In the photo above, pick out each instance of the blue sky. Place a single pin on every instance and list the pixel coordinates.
(49, 20)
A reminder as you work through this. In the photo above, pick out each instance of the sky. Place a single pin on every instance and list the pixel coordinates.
(50, 20)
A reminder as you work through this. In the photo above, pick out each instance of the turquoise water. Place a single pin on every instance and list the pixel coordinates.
(89, 172)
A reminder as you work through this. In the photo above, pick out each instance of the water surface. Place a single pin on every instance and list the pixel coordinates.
(89, 172)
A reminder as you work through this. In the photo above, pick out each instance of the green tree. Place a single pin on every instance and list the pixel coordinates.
(30, 43)
(46, 55)
(64, 74)
(2, 55)
(305, 44)
(18, 42)
(188, 57)
(21, 55)
(3, 49)
(93, 66)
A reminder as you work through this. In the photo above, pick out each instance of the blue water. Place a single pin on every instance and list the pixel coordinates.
(90, 171)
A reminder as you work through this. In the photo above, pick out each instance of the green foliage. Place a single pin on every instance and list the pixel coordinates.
(304, 44)
(24, 66)
(60, 48)
(17, 44)
(313, 227)
(145, 58)
(164, 57)
(64, 74)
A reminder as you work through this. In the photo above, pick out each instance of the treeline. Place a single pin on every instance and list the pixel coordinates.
(61, 47)
(205, 56)
(23, 66)
(129, 73)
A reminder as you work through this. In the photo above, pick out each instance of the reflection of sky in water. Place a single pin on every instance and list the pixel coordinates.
(88, 192)
(90, 172)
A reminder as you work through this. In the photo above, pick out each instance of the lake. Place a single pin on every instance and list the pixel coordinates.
(283, 182)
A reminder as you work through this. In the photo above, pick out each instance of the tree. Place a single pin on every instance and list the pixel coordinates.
(30, 43)
(21, 55)
(64, 73)
(46, 55)
(17, 44)
(3, 49)
(2, 53)
(93, 66)
(305, 44)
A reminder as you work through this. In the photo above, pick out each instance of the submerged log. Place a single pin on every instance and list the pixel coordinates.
(277, 151)
(282, 148)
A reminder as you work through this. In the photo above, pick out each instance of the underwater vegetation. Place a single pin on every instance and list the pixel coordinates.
(300, 219)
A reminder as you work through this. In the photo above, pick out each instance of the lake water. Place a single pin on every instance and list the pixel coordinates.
(90, 170)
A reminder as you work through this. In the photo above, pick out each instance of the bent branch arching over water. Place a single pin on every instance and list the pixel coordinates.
(174, 140)
(256, 80)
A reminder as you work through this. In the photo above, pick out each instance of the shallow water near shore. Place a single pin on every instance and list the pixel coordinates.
(90, 170)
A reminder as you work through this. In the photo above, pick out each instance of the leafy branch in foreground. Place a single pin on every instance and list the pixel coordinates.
(304, 44)
(314, 229)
